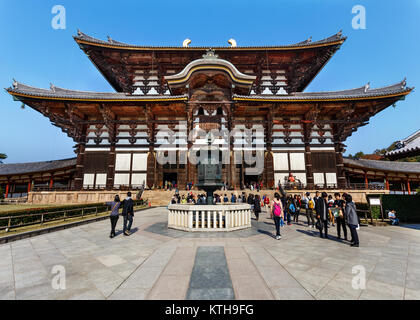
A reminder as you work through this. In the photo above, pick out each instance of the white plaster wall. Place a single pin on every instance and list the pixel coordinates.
(88, 179)
(121, 179)
(297, 161)
(280, 161)
(318, 178)
(138, 178)
(140, 161)
(279, 176)
(331, 177)
(101, 179)
(301, 176)
(122, 161)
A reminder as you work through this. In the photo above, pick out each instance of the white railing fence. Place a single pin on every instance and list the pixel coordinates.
(209, 217)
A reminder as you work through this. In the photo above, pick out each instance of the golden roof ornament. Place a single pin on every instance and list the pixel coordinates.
(210, 54)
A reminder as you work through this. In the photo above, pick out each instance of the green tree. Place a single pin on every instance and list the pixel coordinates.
(2, 157)
(357, 155)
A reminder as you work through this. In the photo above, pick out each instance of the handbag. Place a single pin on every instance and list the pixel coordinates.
(335, 212)
(318, 225)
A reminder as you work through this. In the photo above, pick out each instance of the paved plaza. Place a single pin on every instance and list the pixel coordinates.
(159, 263)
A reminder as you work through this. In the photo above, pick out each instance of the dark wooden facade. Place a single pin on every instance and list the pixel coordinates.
(183, 89)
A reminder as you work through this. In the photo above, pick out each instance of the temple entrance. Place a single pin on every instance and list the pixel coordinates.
(171, 177)
(251, 179)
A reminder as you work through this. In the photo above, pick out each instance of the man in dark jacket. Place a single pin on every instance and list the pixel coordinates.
(127, 213)
(321, 208)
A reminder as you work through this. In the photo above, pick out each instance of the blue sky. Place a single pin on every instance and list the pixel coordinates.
(34, 53)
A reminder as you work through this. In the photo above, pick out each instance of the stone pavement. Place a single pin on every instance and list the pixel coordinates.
(157, 263)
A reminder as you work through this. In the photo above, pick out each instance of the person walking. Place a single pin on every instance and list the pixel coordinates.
(290, 209)
(115, 206)
(298, 204)
(309, 207)
(257, 206)
(277, 212)
(250, 200)
(266, 206)
(128, 213)
(352, 220)
(321, 208)
(341, 221)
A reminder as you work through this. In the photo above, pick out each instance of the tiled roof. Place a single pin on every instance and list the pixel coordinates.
(60, 93)
(394, 166)
(7, 169)
(338, 37)
(357, 93)
(409, 144)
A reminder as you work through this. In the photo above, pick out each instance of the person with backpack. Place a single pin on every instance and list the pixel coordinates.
(341, 221)
(128, 213)
(291, 209)
(277, 212)
(115, 206)
(310, 206)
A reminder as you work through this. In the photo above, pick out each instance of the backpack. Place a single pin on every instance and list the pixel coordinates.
(311, 204)
(277, 209)
(292, 208)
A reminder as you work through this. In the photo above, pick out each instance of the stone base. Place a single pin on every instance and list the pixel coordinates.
(163, 198)
(76, 197)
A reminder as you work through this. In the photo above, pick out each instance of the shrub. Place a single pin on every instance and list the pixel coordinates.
(30, 216)
(407, 207)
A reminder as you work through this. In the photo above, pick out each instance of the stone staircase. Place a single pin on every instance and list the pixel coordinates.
(163, 198)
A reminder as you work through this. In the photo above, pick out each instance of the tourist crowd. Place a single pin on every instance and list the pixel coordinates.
(322, 211)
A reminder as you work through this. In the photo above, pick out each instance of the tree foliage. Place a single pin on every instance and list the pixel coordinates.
(2, 157)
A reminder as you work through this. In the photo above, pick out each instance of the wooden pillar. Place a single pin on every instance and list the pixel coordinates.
(111, 168)
(366, 181)
(7, 189)
(78, 180)
(51, 182)
(29, 186)
(152, 154)
(341, 177)
(232, 168)
(309, 169)
(408, 186)
(387, 183)
(307, 131)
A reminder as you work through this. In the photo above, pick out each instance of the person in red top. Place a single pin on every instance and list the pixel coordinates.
(266, 204)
